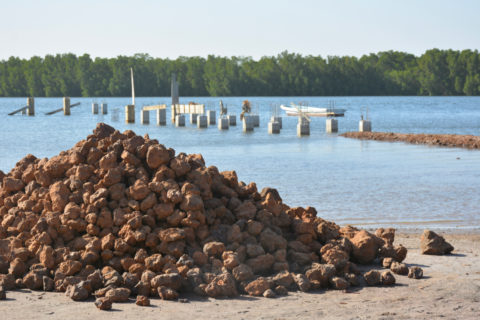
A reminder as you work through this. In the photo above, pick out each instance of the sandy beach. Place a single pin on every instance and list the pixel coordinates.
(450, 289)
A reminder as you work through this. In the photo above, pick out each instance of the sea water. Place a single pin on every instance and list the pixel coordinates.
(364, 183)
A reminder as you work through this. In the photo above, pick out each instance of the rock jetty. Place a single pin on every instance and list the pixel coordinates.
(443, 140)
(121, 216)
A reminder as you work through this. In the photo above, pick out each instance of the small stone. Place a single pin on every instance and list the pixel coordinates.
(372, 277)
(415, 273)
(103, 304)
(338, 283)
(77, 292)
(399, 268)
(281, 291)
(183, 300)
(387, 278)
(386, 262)
(142, 301)
(257, 287)
(48, 283)
(118, 294)
(269, 293)
(167, 293)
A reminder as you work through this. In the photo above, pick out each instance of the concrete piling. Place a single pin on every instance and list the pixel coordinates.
(256, 120)
(94, 108)
(211, 117)
(104, 108)
(232, 119)
(130, 113)
(161, 117)
(303, 127)
(145, 117)
(331, 126)
(365, 126)
(193, 118)
(202, 121)
(223, 123)
(247, 123)
(277, 119)
(31, 106)
(180, 120)
(273, 127)
(66, 106)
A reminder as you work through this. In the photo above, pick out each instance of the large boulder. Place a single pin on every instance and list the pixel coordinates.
(222, 285)
(432, 243)
(365, 246)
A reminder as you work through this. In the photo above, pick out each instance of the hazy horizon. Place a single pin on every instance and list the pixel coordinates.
(236, 28)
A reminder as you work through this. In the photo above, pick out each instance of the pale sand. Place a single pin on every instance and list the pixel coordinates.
(450, 290)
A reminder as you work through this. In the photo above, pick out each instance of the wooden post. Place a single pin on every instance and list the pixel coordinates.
(174, 90)
(66, 106)
(104, 108)
(145, 117)
(130, 113)
(31, 106)
(94, 108)
(161, 117)
(331, 125)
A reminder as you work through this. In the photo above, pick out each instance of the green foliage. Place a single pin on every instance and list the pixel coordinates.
(436, 72)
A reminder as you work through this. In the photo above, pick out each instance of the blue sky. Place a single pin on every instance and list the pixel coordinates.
(242, 28)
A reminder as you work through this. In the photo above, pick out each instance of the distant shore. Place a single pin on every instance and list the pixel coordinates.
(442, 140)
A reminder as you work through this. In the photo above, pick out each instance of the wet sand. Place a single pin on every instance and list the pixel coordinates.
(450, 289)
(444, 140)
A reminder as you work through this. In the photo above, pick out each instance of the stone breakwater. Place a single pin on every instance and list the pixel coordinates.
(444, 140)
(120, 215)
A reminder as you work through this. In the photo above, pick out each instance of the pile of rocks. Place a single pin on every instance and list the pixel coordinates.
(444, 140)
(120, 215)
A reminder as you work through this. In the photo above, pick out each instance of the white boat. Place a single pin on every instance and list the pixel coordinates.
(294, 110)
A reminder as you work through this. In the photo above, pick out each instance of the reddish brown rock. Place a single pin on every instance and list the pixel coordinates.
(103, 304)
(59, 194)
(258, 287)
(214, 248)
(167, 293)
(399, 268)
(339, 283)
(12, 184)
(169, 280)
(365, 246)
(372, 278)
(415, 272)
(69, 267)
(387, 278)
(77, 292)
(3, 294)
(432, 243)
(222, 286)
(118, 294)
(142, 301)
(157, 155)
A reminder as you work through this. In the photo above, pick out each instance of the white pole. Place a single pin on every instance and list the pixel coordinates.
(133, 86)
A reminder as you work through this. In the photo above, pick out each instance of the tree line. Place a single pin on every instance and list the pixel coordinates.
(436, 72)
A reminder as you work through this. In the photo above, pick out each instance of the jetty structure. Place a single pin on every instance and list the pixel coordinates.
(28, 110)
(66, 107)
(303, 125)
(365, 125)
(275, 124)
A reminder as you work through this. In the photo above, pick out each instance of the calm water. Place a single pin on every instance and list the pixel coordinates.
(348, 181)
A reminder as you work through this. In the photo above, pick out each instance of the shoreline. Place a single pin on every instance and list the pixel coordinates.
(441, 140)
(450, 289)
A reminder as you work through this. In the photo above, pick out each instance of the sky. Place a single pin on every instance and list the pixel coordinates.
(248, 28)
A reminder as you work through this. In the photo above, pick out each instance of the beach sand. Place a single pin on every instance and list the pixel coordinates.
(450, 289)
